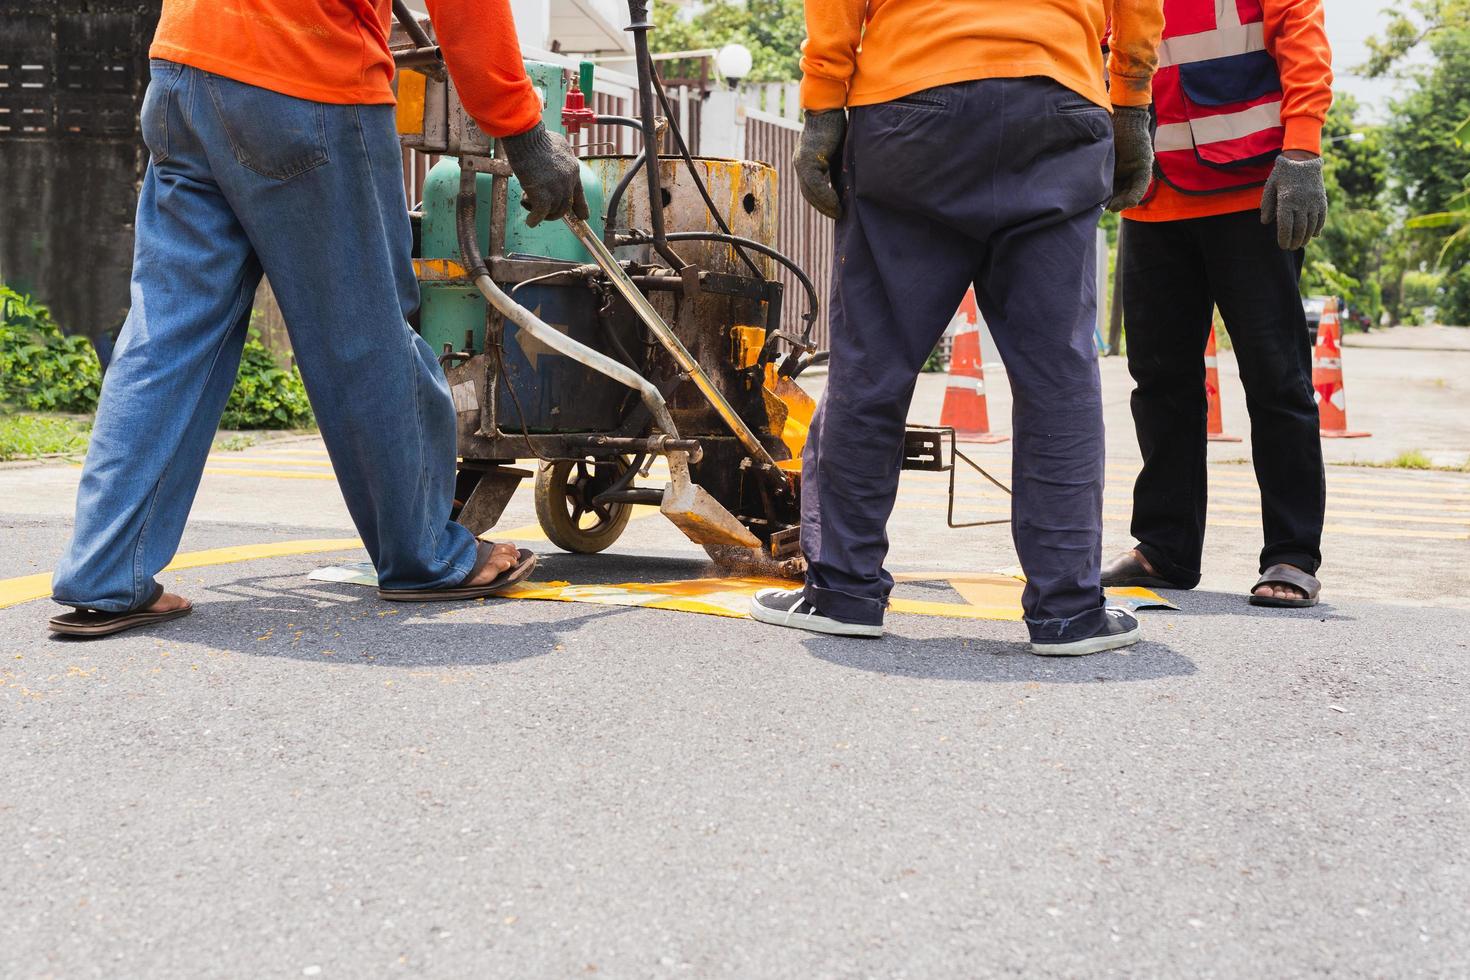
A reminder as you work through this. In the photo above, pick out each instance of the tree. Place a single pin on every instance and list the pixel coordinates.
(1347, 259)
(772, 29)
(1428, 162)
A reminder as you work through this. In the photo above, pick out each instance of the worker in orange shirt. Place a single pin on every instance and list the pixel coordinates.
(270, 130)
(1242, 90)
(961, 142)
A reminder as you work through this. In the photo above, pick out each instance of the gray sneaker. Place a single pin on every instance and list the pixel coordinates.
(1119, 629)
(789, 607)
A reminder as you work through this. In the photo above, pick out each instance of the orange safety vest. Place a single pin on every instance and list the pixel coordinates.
(1217, 95)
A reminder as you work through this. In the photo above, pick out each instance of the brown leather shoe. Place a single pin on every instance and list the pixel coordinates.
(1129, 570)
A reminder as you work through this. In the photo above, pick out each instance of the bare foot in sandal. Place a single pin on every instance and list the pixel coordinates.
(1285, 586)
(168, 602)
(503, 557)
(1278, 590)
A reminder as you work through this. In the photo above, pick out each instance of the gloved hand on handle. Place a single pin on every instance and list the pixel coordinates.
(1295, 198)
(551, 181)
(816, 153)
(1133, 156)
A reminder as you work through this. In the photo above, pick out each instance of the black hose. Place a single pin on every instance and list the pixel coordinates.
(683, 148)
(813, 304)
(640, 26)
(616, 200)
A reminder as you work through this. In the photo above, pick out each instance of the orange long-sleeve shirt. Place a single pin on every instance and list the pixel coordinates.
(860, 52)
(1296, 37)
(337, 51)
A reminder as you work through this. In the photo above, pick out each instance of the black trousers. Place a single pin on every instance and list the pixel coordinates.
(1174, 273)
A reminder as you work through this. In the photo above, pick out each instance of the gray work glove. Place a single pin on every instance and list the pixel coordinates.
(551, 180)
(1133, 156)
(1296, 199)
(816, 152)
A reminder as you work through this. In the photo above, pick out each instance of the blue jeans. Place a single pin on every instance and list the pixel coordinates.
(243, 180)
(998, 183)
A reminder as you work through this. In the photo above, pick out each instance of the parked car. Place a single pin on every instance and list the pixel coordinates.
(1313, 306)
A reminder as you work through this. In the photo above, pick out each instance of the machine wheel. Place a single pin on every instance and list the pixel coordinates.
(753, 562)
(564, 508)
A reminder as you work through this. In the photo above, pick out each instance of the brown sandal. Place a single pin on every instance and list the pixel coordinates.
(519, 572)
(1128, 571)
(1287, 575)
(95, 624)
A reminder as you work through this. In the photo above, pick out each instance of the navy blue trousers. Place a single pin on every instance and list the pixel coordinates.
(999, 183)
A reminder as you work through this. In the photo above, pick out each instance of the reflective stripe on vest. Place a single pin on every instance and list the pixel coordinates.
(1217, 97)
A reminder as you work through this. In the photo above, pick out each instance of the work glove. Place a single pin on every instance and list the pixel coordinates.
(551, 180)
(816, 150)
(1296, 199)
(1133, 156)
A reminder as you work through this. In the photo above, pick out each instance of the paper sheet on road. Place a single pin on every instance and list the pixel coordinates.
(995, 595)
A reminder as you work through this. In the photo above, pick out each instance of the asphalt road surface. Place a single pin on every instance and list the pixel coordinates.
(300, 780)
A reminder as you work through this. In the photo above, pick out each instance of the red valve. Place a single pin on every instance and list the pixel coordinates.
(574, 112)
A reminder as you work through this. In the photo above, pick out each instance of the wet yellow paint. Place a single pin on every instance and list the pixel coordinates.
(26, 588)
(993, 596)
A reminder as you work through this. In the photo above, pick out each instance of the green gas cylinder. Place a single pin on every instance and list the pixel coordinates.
(449, 313)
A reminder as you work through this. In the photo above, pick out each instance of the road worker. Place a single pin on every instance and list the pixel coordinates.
(961, 142)
(1242, 91)
(270, 130)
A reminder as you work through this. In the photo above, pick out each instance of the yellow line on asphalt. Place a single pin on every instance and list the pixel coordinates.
(14, 591)
(1242, 489)
(270, 474)
(962, 501)
(964, 511)
(273, 460)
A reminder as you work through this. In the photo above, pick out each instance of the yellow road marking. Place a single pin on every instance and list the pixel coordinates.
(1390, 490)
(963, 510)
(270, 474)
(14, 591)
(963, 502)
(273, 460)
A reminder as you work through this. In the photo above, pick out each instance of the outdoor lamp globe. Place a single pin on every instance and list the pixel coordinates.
(733, 62)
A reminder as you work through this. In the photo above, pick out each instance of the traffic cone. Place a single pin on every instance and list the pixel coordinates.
(964, 396)
(1327, 378)
(1216, 428)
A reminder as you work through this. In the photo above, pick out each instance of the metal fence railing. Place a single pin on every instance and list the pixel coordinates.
(801, 233)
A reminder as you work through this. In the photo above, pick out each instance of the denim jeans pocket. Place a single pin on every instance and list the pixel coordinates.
(153, 119)
(274, 135)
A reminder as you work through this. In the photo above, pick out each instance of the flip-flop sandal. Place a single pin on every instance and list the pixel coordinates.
(519, 572)
(1287, 575)
(94, 624)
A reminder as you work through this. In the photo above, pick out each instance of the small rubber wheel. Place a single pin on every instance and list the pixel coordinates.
(754, 562)
(564, 507)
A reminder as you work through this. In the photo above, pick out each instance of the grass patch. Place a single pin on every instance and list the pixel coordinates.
(1411, 459)
(236, 443)
(24, 435)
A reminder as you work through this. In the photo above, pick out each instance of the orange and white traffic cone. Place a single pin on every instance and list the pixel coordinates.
(1327, 378)
(1216, 427)
(964, 397)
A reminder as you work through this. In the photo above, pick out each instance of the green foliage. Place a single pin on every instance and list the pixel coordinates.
(1411, 459)
(1428, 146)
(41, 435)
(1410, 25)
(266, 396)
(43, 370)
(40, 368)
(772, 29)
(1345, 260)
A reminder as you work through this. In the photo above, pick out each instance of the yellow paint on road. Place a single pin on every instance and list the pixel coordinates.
(270, 460)
(994, 596)
(26, 588)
